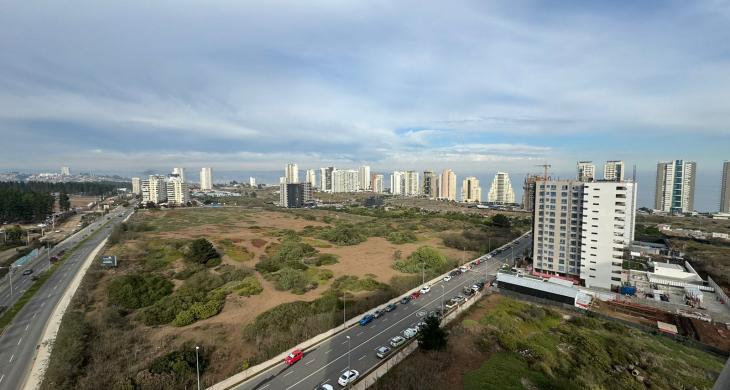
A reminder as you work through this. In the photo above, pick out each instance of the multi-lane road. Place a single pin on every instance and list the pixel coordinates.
(20, 339)
(325, 363)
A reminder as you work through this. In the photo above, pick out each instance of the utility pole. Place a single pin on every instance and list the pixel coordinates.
(344, 310)
(197, 365)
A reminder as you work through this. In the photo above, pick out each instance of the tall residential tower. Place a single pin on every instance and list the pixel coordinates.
(501, 191)
(675, 186)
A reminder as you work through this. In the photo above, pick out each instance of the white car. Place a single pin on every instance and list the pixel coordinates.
(348, 377)
(397, 341)
(410, 333)
(463, 269)
(325, 386)
(447, 278)
(425, 289)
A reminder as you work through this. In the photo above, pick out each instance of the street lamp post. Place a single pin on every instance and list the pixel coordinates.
(10, 275)
(443, 291)
(197, 365)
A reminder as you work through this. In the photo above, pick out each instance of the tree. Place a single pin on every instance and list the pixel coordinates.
(500, 220)
(14, 234)
(432, 337)
(202, 252)
(63, 202)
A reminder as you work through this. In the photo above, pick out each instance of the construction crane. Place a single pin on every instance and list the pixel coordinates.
(545, 167)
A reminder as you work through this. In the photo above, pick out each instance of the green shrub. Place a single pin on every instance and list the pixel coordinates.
(354, 283)
(326, 259)
(134, 291)
(250, 286)
(343, 234)
(185, 317)
(424, 257)
(201, 251)
(401, 237)
(69, 352)
(291, 279)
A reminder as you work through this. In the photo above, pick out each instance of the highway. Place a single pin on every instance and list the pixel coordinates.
(325, 363)
(19, 341)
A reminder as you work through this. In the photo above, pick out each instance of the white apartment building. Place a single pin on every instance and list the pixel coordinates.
(377, 184)
(291, 173)
(345, 180)
(65, 171)
(206, 179)
(471, 192)
(675, 186)
(725, 191)
(614, 170)
(178, 192)
(154, 189)
(364, 178)
(325, 177)
(429, 188)
(310, 177)
(180, 172)
(396, 182)
(501, 191)
(411, 183)
(586, 171)
(581, 229)
(447, 185)
(252, 181)
(136, 186)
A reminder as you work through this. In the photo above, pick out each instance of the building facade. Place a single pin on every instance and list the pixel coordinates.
(397, 182)
(447, 185)
(528, 192)
(471, 192)
(179, 172)
(411, 185)
(252, 182)
(501, 191)
(154, 189)
(206, 179)
(325, 178)
(725, 191)
(295, 195)
(586, 171)
(614, 170)
(310, 177)
(675, 186)
(291, 173)
(178, 192)
(65, 171)
(581, 229)
(377, 183)
(363, 174)
(136, 186)
(345, 180)
(429, 188)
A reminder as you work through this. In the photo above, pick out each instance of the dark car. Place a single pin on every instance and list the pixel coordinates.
(415, 295)
(28, 271)
(390, 307)
(367, 319)
(405, 300)
(378, 313)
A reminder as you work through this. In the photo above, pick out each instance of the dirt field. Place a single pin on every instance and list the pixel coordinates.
(82, 201)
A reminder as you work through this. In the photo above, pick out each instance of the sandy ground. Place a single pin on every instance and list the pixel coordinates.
(81, 201)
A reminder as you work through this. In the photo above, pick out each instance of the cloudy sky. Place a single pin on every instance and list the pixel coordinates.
(475, 86)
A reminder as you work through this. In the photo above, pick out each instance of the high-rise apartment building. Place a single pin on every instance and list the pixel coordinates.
(252, 181)
(675, 186)
(136, 186)
(363, 174)
(586, 171)
(397, 182)
(291, 173)
(581, 229)
(345, 180)
(295, 195)
(411, 183)
(447, 185)
(528, 192)
(429, 189)
(325, 177)
(179, 172)
(310, 177)
(154, 189)
(614, 170)
(501, 191)
(178, 192)
(65, 171)
(377, 183)
(470, 190)
(206, 179)
(725, 192)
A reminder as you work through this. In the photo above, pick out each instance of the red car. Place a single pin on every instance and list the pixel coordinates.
(415, 295)
(295, 356)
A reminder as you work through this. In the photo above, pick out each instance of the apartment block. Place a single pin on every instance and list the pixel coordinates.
(136, 186)
(528, 192)
(614, 170)
(501, 191)
(154, 189)
(377, 184)
(363, 174)
(725, 191)
(291, 173)
(586, 171)
(471, 192)
(310, 177)
(447, 185)
(345, 180)
(206, 179)
(325, 177)
(295, 195)
(429, 187)
(179, 172)
(178, 192)
(675, 186)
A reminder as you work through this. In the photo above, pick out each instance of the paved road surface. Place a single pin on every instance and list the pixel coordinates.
(19, 341)
(330, 359)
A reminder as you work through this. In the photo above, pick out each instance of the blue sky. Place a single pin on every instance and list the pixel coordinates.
(471, 85)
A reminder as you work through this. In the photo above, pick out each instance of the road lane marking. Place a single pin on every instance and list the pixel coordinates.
(265, 386)
(1, 378)
(362, 357)
(43, 304)
(328, 351)
(288, 373)
(35, 314)
(307, 363)
(21, 339)
(12, 357)
(359, 333)
(344, 342)
(26, 327)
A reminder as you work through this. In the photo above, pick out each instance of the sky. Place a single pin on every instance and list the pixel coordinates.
(244, 87)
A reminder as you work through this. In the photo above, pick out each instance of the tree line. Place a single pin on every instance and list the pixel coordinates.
(24, 206)
(86, 189)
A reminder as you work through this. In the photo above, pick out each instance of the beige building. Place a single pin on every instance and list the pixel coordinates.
(154, 189)
(363, 177)
(376, 183)
(136, 186)
(725, 192)
(206, 179)
(291, 173)
(614, 170)
(501, 191)
(586, 171)
(447, 189)
(471, 192)
(178, 192)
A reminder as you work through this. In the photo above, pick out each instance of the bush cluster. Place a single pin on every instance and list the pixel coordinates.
(134, 291)
(425, 257)
(343, 234)
(201, 251)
